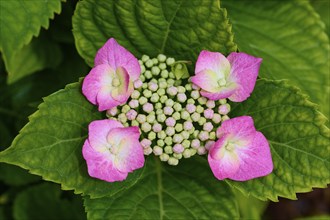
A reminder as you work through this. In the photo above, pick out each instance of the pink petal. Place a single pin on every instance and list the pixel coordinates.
(100, 165)
(207, 80)
(223, 93)
(98, 132)
(223, 164)
(117, 56)
(213, 61)
(244, 71)
(241, 129)
(95, 80)
(129, 152)
(255, 160)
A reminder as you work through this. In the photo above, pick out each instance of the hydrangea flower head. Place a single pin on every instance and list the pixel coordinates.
(110, 82)
(112, 150)
(241, 153)
(219, 77)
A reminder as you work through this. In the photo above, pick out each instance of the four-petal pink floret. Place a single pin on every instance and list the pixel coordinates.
(110, 82)
(241, 153)
(112, 150)
(219, 77)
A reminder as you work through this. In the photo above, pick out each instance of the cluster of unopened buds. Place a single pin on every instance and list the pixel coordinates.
(154, 107)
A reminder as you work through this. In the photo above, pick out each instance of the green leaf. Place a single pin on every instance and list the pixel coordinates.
(167, 192)
(176, 28)
(298, 139)
(16, 176)
(44, 201)
(20, 21)
(322, 7)
(290, 38)
(50, 144)
(41, 53)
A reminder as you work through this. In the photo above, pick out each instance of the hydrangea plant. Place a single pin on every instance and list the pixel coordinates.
(188, 109)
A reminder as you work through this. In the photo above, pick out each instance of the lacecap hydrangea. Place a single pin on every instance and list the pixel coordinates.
(153, 106)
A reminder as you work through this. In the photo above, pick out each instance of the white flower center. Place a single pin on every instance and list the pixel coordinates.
(222, 82)
(115, 82)
(230, 147)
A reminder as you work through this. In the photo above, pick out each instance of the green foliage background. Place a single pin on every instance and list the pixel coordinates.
(46, 45)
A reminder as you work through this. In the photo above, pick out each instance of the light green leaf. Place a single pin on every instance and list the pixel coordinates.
(44, 201)
(176, 28)
(41, 53)
(290, 38)
(322, 7)
(21, 20)
(298, 139)
(50, 144)
(188, 191)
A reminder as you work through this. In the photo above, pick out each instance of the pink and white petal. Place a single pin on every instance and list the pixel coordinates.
(105, 101)
(214, 61)
(241, 130)
(207, 80)
(222, 93)
(244, 71)
(129, 151)
(117, 56)
(98, 132)
(100, 165)
(97, 78)
(255, 160)
(121, 93)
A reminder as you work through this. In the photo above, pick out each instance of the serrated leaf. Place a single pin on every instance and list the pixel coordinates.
(290, 38)
(298, 139)
(44, 201)
(50, 144)
(176, 28)
(41, 53)
(20, 21)
(188, 191)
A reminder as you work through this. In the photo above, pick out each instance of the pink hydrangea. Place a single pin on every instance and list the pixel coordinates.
(112, 150)
(241, 153)
(219, 77)
(110, 82)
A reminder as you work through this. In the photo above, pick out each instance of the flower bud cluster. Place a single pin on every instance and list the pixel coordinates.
(175, 121)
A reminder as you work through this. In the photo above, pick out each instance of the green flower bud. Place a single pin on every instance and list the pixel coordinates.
(161, 118)
(177, 107)
(163, 98)
(169, 102)
(202, 121)
(164, 157)
(155, 61)
(159, 111)
(154, 98)
(160, 142)
(176, 116)
(142, 77)
(122, 118)
(186, 143)
(188, 87)
(164, 73)
(171, 75)
(125, 108)
(161, 135)
(158, 106)
(163, 85)
(145, 127)
(222, 101)
(216, 118)
(170, 131)
(126, 124)
(148, 74)
(177, 82)
(168, 140)
(170, 61)
(162, 66)
(178, 127)
(170, 82)
(155, 70)
(177, 138)
(168, 149)
(181, 89)
(143, 100)
(191, 101)
(135, 94)
(149, 63)
(195, 134)
(186, 153)
(185, 115)
(158, 150)
(195, 94)
(173, 161)
(141, 118)
(195, 116)
(147, 151)
(199, 109)
(177, 156)
(224, 118)
(185, 134)
(145, 58)
(151, 118)
(147, 93)
(152, 135)
(161, 58)
(202, 100)
(143, 69)
(161, 92)
(212, 135)
(134, 123)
